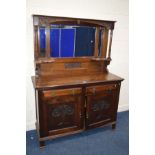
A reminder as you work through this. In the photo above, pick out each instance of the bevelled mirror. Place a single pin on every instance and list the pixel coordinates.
(70, 41)
(61, 37)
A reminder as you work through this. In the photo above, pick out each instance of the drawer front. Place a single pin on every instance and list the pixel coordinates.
(101, 105)
(62, 92)
(63, 113)
(101, 88)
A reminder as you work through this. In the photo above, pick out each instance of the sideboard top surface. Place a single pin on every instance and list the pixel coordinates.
(75, 81)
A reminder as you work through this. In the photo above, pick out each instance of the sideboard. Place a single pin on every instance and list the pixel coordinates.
(74, 90)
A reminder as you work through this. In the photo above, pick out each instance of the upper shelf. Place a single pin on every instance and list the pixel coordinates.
(78, 59)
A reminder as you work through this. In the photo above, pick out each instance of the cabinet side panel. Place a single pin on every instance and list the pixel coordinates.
(43, 128)
(36, 108)
(116, 100)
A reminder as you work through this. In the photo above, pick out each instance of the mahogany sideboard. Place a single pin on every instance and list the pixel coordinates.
(74, 90)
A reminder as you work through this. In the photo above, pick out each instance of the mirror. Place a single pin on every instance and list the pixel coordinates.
(69, 41)
(42, 41)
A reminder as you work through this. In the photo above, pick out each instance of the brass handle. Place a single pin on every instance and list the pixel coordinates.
(94, 89)
(73, 91)
(87, 116)
(80, 115)
(53, 93)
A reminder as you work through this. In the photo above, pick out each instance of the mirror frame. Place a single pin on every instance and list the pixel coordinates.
(46, 21)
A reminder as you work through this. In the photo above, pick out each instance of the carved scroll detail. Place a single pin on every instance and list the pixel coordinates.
(62, 110)
(100, 105)
(73, 65)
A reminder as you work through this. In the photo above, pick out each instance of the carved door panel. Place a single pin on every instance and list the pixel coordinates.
(64, 113)
(101, 107)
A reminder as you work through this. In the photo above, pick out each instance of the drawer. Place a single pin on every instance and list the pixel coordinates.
(61, 99)
(61, 92)
(101, 88)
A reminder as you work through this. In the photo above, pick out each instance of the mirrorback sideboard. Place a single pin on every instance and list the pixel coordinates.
(74, 90)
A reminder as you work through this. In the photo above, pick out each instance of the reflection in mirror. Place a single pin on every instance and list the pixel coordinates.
(42, 41)
(54, 42)
(62, 42)
(70, 41)
(85, 39)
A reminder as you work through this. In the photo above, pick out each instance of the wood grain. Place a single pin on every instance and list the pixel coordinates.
(104, 43)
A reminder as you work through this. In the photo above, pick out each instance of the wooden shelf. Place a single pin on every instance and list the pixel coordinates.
(44, 60)
(101, 59)
(98, 59)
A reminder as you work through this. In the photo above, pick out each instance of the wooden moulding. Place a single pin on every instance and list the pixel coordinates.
(38, 42)
(96, 42)
(110, 43)
(41, 20)
(104, 42)
(48, 49)
(36, 49)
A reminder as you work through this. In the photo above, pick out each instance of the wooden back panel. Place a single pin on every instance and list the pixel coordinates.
(70, 68)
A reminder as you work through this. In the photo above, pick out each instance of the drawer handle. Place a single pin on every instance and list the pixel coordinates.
(53, 93)
(87, 116)
(80, 115)
(73, 91)
(94, 90)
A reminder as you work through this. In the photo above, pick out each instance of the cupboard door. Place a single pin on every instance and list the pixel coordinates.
(64, 113)
(101, 106)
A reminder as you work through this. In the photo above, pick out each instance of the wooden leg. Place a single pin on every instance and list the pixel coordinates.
(42, 144)
(113, 126)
